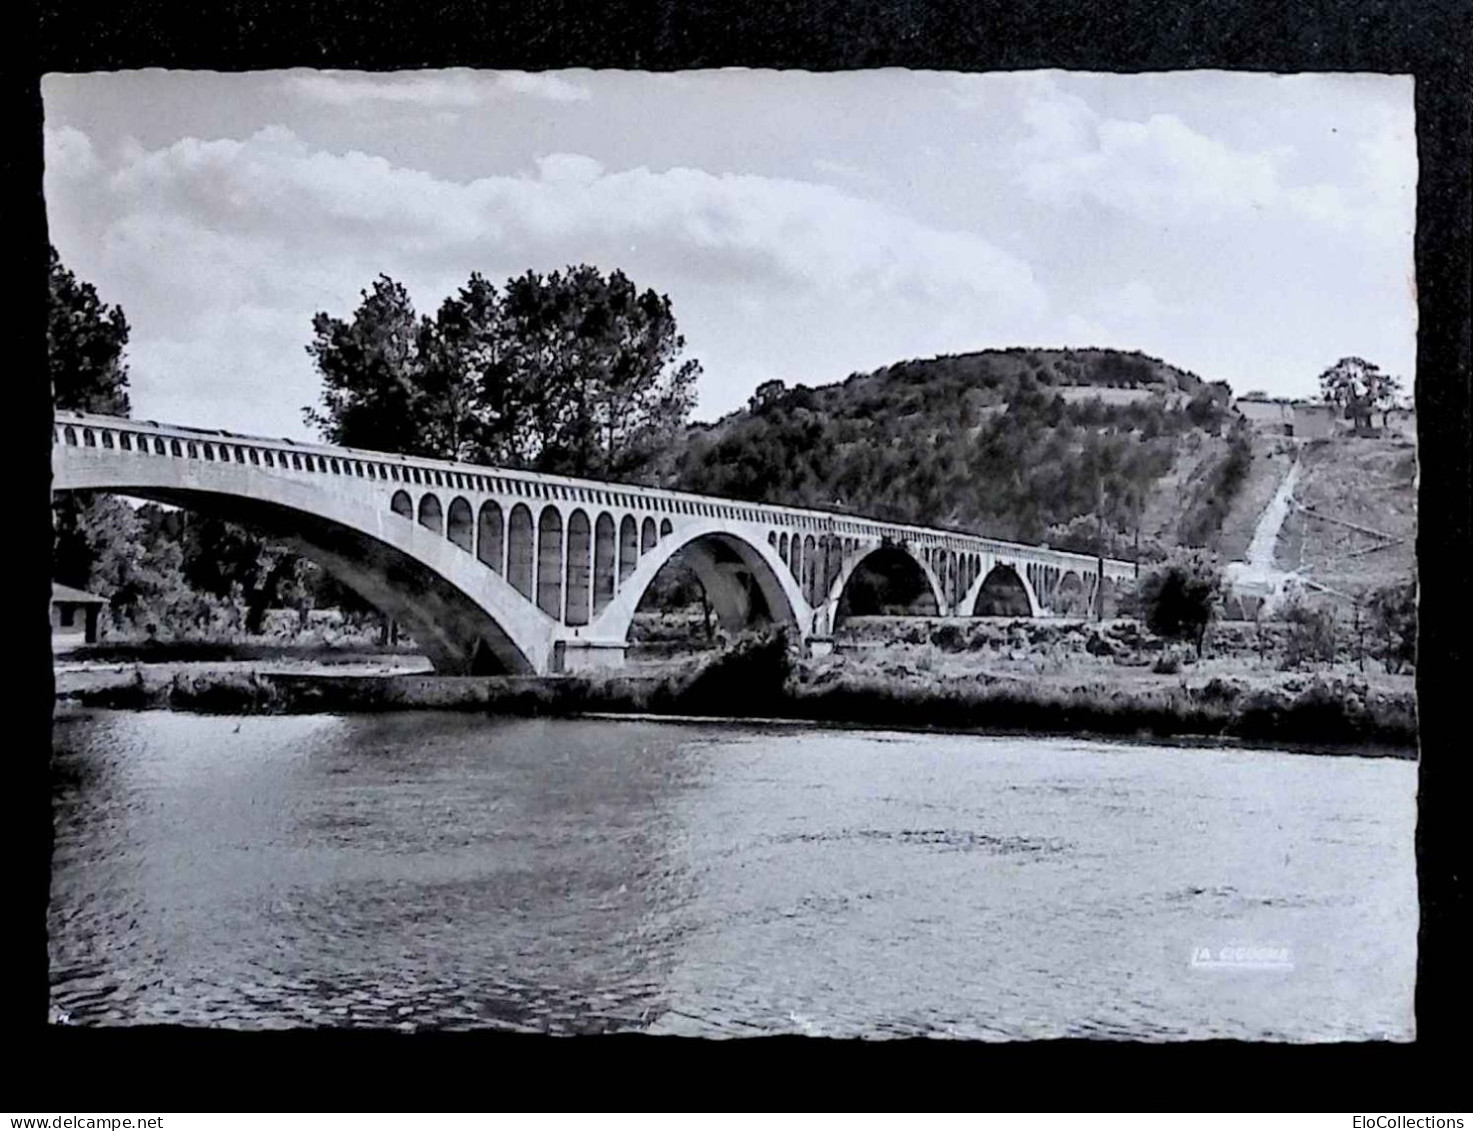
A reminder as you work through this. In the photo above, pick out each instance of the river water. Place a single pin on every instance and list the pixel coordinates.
(448, 871)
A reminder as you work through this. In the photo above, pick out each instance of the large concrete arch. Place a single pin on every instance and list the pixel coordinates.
(854, 560)
(729, 600)
(464, 616)
(999, 568)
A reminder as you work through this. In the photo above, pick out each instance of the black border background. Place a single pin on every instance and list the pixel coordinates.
(155, 1069)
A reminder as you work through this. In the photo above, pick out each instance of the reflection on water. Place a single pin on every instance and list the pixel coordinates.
(450, 871)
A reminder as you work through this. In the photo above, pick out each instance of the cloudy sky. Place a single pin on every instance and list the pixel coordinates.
(1252, 228)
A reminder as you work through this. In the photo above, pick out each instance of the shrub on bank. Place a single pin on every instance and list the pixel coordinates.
(1312, 636)
(1181, 597)
(1393, 615)
(226, 693)
(753, 670)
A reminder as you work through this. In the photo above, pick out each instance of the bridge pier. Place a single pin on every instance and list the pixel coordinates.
(586, 654)
(729, 585)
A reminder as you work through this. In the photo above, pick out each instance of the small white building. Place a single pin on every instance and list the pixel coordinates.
(1316, 421)
(74, 616)
(1274, 417)
(1305, 420)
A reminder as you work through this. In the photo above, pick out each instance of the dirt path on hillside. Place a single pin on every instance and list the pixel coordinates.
(1274, 457)
(1265, 540)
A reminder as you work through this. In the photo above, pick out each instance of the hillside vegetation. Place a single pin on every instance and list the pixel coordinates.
(1354, 525)
(1015, 444)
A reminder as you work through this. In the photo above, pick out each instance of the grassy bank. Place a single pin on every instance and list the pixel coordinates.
(207, 651)
(1329, 710)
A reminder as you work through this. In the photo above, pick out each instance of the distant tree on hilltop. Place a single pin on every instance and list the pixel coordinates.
(1360, 388)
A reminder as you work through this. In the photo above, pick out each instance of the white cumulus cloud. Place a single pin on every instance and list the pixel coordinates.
(690, 222)
(775, 270)
(1161, 170)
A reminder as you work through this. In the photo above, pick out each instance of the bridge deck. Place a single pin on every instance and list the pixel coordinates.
(224, 446)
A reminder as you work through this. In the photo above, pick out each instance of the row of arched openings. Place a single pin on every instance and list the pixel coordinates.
(817, 561)
(1061, 591)
(572, 571)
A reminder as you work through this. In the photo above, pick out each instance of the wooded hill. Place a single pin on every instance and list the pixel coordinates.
(1015, 443)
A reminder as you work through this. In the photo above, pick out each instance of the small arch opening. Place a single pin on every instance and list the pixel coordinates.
(580, 569)
(628, 547)
(431, 514)
(519, 550)
(550, 562)
(603, 562)
(489, 535)
(459, 524)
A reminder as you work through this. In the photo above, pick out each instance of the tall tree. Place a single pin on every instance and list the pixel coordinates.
(85, 340)
(570, 372)
(1388, 396)
(649, 390)
(85, 343)
(134, 557)
(373, 388)
(1181, 596)
(475, 408)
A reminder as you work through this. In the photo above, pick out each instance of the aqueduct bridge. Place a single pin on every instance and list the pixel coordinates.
(494, 570)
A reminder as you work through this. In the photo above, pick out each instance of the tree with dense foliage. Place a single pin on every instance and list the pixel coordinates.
(1312, 636)
(1180, 597)
(233, 565)
(573, 372)
(140, 570)
(372, 375)
(1360, 388)
(1202, 519)
(85, 340)
(1393, 616)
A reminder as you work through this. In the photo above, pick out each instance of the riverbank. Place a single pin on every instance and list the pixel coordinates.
(1031, 689)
